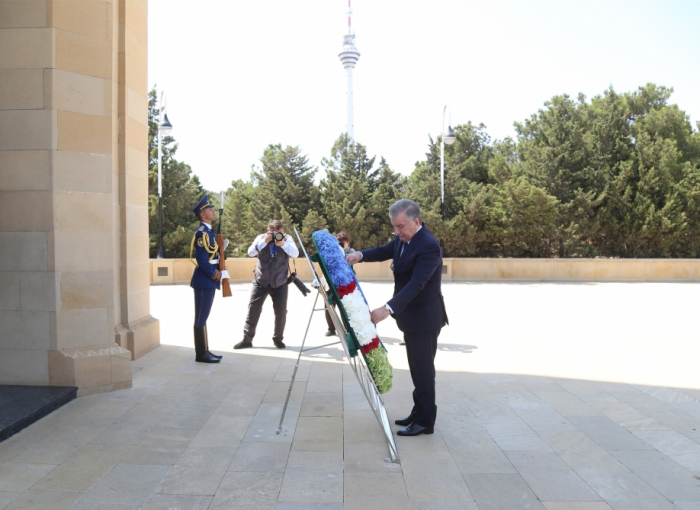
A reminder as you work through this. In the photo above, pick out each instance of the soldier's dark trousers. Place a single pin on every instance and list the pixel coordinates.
(203, 299)
(258, 295)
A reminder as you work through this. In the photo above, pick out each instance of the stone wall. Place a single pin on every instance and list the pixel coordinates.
(73, 169)
(179, 271)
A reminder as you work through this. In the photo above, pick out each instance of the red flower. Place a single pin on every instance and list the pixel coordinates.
(370, 346)
(344, 290)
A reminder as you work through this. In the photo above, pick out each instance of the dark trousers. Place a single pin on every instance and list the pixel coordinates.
(203, 299)
(420, 349)
(258, 295)
(329, 321)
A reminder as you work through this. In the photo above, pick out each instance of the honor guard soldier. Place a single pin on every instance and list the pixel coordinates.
(206, 277)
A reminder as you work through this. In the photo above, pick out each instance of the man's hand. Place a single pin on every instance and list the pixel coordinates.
(378, 314)
(354, 258)
(268, 237)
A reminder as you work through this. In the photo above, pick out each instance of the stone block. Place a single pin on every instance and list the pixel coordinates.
(134, 304)
(90, 368)
(21, 89)
(136, 48)
(83, 328)
(84, 133)
(136, 19)
(86, 17)
(133, 73)
(25, 170)
(83, 212)
(24, 367)
(137, 106)
(135, 220)
(163, 271)
(136, 163)
(134, 134)
(27, 48)
(27, 129)
(69, 251)
(23, 251)
(39, 291)
(24, 330)
(133, 191)
(87, 289)
(82, 171)
(84, 55)
(73, 92)
(141, 336)
(23, 14)
(18, 203)
(9, 291)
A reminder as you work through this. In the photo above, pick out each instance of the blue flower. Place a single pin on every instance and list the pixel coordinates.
(334, 259)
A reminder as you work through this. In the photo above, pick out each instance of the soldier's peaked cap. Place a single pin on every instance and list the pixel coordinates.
(201, 205)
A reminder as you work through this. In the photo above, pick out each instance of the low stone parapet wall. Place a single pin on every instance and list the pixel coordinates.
(179, 271)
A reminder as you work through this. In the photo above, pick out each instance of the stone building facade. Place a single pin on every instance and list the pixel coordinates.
(74, 268)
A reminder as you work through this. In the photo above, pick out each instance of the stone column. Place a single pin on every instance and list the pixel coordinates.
(63, 239)
(137, 331)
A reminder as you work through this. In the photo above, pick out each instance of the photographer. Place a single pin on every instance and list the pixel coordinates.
(273, 250)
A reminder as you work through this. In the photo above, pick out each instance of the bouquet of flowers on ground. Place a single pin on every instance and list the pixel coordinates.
(353, 302)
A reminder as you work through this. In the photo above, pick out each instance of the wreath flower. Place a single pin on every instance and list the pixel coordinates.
(353, 301)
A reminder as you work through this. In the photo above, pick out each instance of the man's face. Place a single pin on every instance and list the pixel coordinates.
(208, 215)
(270, 229)
(404, 228)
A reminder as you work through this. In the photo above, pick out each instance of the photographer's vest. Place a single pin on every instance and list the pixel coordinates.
(272, 271)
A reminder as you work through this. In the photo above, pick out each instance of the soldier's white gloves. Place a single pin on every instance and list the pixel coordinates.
(225, 244)
(224, 274)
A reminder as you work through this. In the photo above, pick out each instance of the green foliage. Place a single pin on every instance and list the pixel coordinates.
(613, 177)
(616, 176)
(181, 191)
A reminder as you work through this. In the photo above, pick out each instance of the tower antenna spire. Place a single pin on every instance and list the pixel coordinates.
(349, 57)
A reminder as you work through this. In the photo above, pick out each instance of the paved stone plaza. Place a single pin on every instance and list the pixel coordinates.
(554, 396)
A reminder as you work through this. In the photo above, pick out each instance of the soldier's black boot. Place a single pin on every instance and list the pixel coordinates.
(201, 353)
(206, 345)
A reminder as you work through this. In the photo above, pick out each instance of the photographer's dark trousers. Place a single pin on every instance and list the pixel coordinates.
(420, 350)
(258, 295)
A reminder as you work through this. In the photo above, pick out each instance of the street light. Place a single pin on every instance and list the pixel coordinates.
(447, 138)
(164, 128)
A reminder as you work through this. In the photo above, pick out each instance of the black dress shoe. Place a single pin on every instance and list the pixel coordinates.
(279, 344)
(404, 421)
(243, 345)
(330, 333)
(206, 358)
(414, 429)
(214, 355)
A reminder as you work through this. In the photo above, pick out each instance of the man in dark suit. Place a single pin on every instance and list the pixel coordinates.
(417, 305)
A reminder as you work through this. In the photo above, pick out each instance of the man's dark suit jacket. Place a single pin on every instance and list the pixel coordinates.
(417, 303)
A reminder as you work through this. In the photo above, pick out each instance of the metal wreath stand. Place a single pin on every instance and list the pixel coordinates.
(357, 362)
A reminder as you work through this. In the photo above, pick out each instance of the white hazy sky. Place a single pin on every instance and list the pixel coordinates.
(239, 75)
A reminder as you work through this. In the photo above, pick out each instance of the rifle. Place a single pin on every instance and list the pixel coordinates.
(225, 286)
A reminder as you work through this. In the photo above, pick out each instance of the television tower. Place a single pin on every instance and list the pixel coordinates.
(349, 57)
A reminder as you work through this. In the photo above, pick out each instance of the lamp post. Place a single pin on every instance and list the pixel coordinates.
(447, 138)
(164, 128)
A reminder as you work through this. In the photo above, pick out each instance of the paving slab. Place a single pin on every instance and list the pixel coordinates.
(528, 417)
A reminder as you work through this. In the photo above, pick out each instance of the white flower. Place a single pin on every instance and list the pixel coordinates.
(359, 317)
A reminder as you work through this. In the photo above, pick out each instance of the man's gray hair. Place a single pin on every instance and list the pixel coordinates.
(411, 209)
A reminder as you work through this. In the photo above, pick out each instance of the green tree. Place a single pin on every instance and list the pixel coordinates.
(356, 195)
(181, 191)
